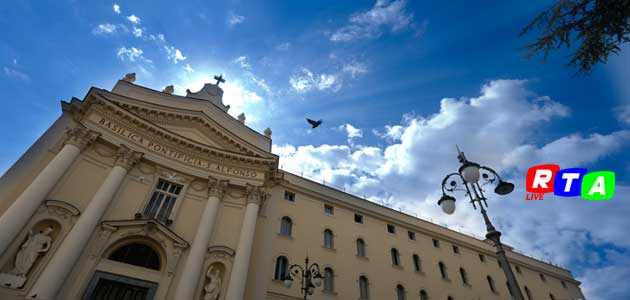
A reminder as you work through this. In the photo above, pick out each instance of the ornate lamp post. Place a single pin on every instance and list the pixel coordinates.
(467, 180)
(310, 277)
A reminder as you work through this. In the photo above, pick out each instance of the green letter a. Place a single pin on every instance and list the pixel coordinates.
(598, 185)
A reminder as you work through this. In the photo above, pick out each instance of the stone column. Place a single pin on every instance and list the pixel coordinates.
(59, 267)
(236, 288)
(192, 273)
(21, 210)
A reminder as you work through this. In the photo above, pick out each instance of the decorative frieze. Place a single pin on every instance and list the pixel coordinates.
(80, 137)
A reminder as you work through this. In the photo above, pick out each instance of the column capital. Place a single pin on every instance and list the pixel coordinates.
(255, 194)
(80, 137)
(217, 188)
(126, 157)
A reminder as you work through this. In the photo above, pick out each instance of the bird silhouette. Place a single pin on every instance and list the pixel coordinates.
(314, 123)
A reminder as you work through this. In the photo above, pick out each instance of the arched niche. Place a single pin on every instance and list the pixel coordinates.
(219, 260)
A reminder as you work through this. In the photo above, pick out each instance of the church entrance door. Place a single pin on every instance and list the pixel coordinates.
(106, 286)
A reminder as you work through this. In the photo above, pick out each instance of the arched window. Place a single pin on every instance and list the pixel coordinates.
(464, 276)
(395, 257)
(363, 288)
(417, 265)
(137, 254)
(424, 295)
(328, 239)
(528, 293)
(286, 226)
(551, 297)
(281, 268)
(329, 280)
(360, 247)
(491, 284)
(443, 270)
(400, 292)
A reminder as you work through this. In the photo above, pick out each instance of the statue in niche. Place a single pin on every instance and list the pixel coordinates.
(35, 245)
(213, 288)
(30, 250)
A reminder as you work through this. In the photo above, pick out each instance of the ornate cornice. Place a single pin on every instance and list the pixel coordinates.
(217, 188)
(255, 194)
(126, 157)
(80, 137)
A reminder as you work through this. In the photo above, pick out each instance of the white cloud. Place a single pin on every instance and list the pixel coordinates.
(261, 83)
(133, 19)
(283, 46)
(351, 131)
(106, 28)
(137, 32)
(384, 14)
(306, 81)
(497, 128)
(188, 68)
(234, 19)
(15, 74)
(116, 8)
(623, 114)
(355, 68)
(174, 54)
(132, 54)
(242, 61)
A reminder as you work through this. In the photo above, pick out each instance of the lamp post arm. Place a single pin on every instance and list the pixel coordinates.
(444, 188)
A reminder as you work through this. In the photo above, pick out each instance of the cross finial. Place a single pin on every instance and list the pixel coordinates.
(219, 79)
(460, 155)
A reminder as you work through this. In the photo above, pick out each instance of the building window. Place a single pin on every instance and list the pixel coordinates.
(329, 280)
(286, 226)
(391, 228)
(551, 297)
(363, 288)
(417, 265)
(400, 292)
(328, 239)
(464, 276)
(542, 277)
(482, 258)
(395, 257)
(528, 293)
(455, 249)
(162, 201)
(281, 268)
(137, 254)
(491, 284)
(360, 248)
(289, 196)
(358, 218)
(443, 272)
(329, 209)
(436, 243)
(424, 295)
(518, 269)
(564, 284)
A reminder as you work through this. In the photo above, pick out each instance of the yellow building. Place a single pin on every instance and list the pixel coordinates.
(135, 193)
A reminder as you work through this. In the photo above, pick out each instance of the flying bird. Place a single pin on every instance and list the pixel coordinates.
(314, 123)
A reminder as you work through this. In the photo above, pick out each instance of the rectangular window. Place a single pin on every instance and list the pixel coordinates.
(329, 209)
(391, 228)
(564, 284)
(358, 218)
(542, 277)
(412, 235)
(436, 243)
(455, 249)
(162, 201)
(289, 196)
(482, 257)
(518, 269)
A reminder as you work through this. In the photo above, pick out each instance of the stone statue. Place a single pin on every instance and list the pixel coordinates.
(130, 77)
(169, 89)
(213, 288)
(241, 118)
(31, 249)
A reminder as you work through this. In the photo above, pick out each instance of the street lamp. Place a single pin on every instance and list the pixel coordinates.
(467, 180)
(310, 277)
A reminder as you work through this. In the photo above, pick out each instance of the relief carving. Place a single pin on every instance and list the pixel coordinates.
(213, 288)
(80, 137)
(34, 246)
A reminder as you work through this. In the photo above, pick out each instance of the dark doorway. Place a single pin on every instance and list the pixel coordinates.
(105, 286)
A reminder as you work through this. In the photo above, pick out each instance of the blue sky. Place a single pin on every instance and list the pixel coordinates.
(397, 83)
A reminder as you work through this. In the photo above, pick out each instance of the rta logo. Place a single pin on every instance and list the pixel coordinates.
(570, 182)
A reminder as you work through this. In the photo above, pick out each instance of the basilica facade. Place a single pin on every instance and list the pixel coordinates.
(137, 193)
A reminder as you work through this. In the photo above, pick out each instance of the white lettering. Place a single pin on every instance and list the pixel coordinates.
(598, 187)
(541, 178)
(569, 177)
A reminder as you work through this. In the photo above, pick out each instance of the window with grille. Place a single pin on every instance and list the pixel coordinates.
(162, 201)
